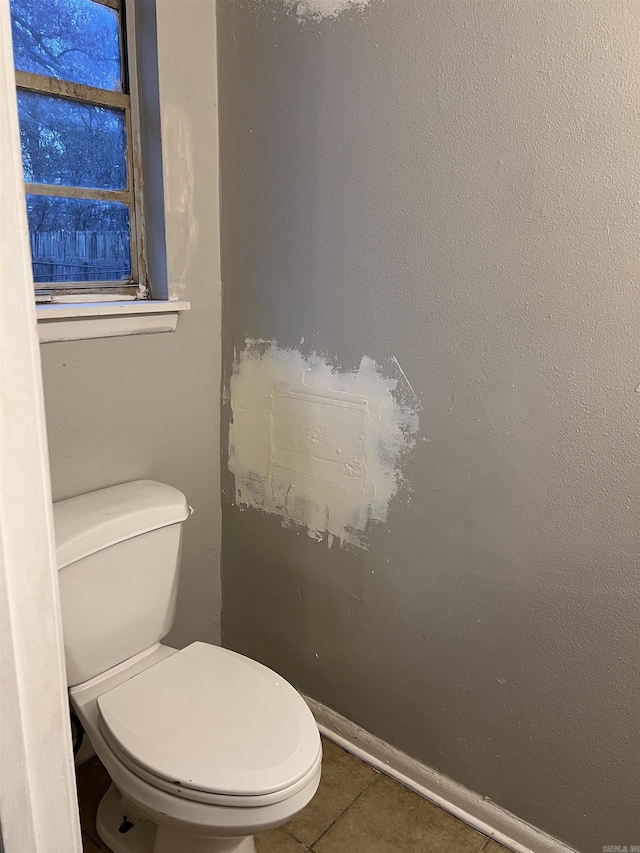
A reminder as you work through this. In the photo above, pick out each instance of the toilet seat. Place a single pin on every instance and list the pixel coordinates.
(210, 725)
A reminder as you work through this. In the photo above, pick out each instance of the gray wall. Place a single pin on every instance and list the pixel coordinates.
(148, 407)
(456, 184)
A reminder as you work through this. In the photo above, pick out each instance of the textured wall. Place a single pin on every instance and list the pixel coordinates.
(136, 407)
(455, 184)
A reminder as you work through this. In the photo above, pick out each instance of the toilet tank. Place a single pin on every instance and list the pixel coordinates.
(118, 554)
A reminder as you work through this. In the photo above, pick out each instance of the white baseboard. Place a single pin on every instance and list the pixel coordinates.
(474, 810)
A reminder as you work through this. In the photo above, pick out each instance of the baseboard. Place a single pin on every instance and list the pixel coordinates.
(474, 810)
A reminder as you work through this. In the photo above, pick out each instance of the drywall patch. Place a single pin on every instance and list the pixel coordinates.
(318, 9)
(319, 447)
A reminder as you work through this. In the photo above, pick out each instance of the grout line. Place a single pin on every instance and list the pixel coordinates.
(344, 811)
(292, 837)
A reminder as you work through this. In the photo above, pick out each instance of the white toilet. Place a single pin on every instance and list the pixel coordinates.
(205, 747)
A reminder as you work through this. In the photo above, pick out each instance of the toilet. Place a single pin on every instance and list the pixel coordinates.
(205, 747)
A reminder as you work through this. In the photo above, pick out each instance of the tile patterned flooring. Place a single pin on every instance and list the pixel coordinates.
(356, 810)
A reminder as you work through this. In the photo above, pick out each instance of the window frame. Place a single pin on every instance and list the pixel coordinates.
(137, 285)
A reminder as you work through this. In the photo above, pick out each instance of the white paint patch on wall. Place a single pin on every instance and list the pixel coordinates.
(179, 183)
(318, 9)
(319, 447)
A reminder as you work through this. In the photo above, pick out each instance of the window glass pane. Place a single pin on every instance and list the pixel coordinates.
(65, 142)
(76, 40)
(74, 239)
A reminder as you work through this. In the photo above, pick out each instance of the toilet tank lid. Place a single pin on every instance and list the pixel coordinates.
(89, 523)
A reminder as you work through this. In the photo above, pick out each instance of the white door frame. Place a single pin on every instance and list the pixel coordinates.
(38, 807)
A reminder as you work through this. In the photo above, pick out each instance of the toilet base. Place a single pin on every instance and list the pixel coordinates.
(145, 836)
(170, 841)
(141, 838)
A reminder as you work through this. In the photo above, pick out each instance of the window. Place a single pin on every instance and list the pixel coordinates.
(78, 147)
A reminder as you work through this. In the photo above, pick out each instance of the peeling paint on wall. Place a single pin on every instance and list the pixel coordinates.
(318, 9)
(319, 447)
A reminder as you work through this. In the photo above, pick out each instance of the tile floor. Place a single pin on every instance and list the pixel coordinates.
(356, 810)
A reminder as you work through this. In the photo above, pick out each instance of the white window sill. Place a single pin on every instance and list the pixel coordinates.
(79, 321)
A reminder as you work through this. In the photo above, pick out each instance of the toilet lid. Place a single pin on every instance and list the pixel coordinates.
(213, 720)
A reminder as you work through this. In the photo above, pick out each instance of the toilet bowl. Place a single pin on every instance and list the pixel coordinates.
(205, 747)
